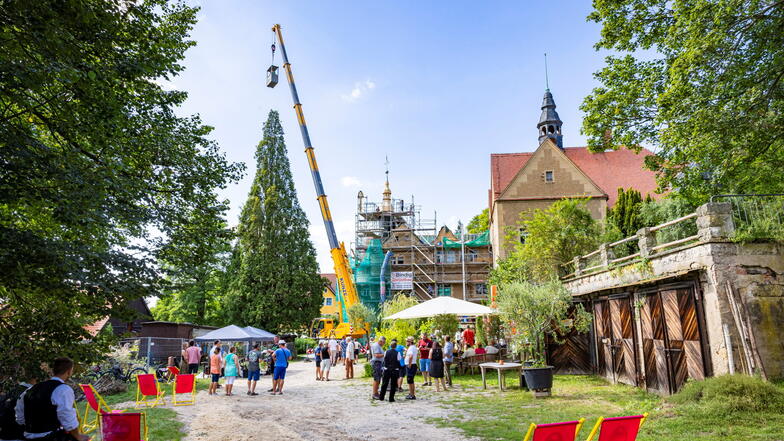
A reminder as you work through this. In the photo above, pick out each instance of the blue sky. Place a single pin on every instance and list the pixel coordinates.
(435, 86)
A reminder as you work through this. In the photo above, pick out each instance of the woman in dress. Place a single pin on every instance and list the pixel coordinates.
(437, 365)
(231, 369)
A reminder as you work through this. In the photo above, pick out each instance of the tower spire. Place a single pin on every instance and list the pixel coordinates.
(546, 76)
(550, 123)
(386, 204)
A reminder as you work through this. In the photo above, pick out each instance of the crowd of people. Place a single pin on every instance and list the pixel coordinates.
(332, 352)
(227, 365)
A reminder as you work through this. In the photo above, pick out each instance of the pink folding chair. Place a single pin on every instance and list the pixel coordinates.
(147, 391)
(619, 428)
(566, 431)
(123, 427)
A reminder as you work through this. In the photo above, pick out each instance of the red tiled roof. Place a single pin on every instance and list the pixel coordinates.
(333, 280)
(609, 170)
(503, 168)
(96, 327)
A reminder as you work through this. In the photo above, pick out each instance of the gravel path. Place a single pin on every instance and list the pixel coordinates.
(315, 410)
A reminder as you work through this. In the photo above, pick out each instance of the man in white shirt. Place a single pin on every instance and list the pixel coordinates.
(333, 350)
(412, 353)
(47, 410)
(349, 355)
(458, 340)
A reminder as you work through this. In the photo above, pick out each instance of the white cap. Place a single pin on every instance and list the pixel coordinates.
(281, 342)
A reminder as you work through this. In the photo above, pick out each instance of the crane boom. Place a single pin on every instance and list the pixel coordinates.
(347, 291)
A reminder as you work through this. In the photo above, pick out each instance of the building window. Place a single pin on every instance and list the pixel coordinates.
(471, 256)
(328, 301)
(440, 256)
(548, 176)
(444, 290)
(480, 289)
(451, 256)
(398, 260)
(523, 235)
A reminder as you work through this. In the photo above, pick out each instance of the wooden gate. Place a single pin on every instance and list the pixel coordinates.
(615, 339)
(671, 339)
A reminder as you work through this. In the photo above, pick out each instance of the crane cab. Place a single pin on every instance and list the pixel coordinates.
(272, 76)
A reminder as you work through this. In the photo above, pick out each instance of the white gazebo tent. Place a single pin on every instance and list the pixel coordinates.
(442, 305)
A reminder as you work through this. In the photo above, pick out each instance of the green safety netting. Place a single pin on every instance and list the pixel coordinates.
(367, 275)
(481, 240)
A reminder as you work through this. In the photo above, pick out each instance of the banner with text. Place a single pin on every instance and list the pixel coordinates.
(402, 280)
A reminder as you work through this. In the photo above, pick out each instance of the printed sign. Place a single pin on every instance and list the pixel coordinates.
(402, 280)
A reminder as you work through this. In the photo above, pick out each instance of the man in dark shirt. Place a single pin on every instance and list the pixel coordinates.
(391, 371)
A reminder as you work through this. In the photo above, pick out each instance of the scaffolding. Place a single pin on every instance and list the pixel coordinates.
(439, 262)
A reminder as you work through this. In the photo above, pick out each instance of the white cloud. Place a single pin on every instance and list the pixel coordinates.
(350, 181)
(360, 89)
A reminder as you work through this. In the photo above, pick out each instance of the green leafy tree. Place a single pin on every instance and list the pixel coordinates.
(537, 310)
(362, 317)
(277, 284)
(480, 223)
(702, 83)
(397, 329)
(101, 180)
(553, 237)
(444, 324)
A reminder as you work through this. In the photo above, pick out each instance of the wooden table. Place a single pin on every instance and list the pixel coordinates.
(500, 368)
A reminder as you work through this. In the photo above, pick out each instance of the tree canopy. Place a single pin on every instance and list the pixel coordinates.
(700, 82)
(480, 223)
(101, 179)
(276, 283)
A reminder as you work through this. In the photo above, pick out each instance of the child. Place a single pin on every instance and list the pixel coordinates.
(317, 359)
(215, 369)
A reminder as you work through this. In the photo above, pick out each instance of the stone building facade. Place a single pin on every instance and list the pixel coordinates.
(523, 182)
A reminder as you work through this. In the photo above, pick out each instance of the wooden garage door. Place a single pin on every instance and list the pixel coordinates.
(614, 328)
(671, 339)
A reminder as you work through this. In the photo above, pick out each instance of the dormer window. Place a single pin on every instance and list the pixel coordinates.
(549, 177)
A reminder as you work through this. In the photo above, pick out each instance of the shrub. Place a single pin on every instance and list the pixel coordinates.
(367, 370)
(302, 344)
(731, 394)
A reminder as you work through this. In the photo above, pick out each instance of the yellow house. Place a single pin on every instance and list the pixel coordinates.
(330, 302)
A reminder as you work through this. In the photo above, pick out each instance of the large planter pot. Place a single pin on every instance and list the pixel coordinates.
(523, 383)
(539, 380)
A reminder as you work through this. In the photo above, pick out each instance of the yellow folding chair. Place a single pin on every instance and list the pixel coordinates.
(95, 402)
(184, 390)
(618, 429)
(148, 393)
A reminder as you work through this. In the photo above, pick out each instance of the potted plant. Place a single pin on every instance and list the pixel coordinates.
(534, 311)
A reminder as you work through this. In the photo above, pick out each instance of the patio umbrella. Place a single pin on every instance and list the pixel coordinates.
(442, 305)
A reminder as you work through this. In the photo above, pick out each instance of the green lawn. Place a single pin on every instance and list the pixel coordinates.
(495, 415)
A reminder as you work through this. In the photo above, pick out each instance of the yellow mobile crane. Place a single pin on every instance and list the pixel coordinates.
(347, 291)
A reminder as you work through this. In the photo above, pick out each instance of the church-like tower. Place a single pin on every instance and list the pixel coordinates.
(549, 125)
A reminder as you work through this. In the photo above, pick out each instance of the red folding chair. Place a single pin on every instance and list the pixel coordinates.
(619, 428)
(94, 401)
(148, 393)
(173, 372)
(123, 427)
(566, 431)
(184, 384)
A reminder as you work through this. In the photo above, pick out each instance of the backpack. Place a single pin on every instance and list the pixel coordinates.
(8, 427)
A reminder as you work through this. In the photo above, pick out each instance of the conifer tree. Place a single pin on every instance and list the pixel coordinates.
(276, 283)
